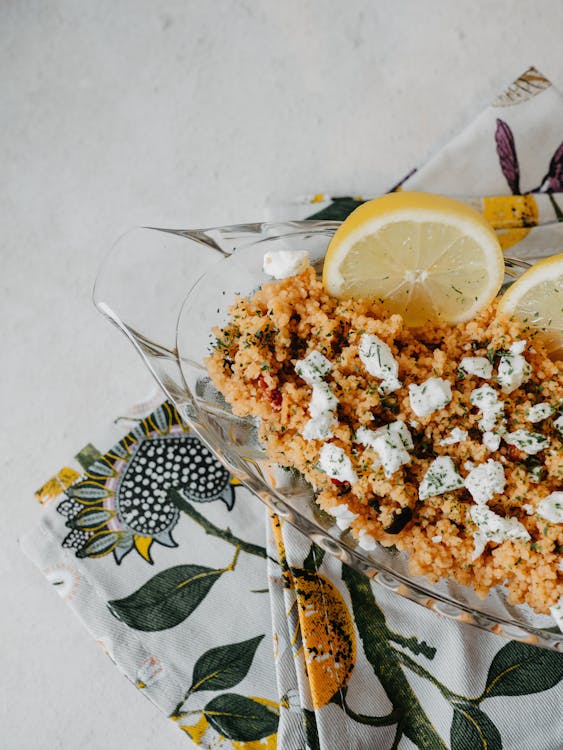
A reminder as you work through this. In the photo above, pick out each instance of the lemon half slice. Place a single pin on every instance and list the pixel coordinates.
(427, 257)
(536, 299)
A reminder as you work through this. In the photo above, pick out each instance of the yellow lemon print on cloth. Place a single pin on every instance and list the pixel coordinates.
(512, 217)
(327, 630)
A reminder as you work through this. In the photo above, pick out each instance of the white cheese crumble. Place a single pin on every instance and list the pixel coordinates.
(560, 566)
(440, 477)
(491, 441)
(379, 361)
(494, 528)
(437, 538)
(391, 443)
(336, 464)
(455, 436)
(342, 515)
(557, 613)
(551, 507)
(485, 480)
(433, 394)
(313, 368)
(539, 412)
(529, 509)
(468, 465)
(366, 541)
(479, 366)
(558, 424)
(486, 400)
(322, 406)
(536, 474)
(529, 442)
(284, 263)
(513, 370)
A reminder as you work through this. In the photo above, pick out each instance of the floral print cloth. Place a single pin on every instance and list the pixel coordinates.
(243, 632)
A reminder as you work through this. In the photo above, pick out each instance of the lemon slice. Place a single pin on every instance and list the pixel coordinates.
(427, 257)
(536, 299)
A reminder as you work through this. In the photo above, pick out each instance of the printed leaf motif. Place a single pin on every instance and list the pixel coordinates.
(224, 666)
(530, 83)
(506, 151)
(520, 669)
(100, 544)
(167, 599)
(241, 719)
(311, 731)
(91, 519)
(555, 174)
(473, 730)
(87, 492)
(338, 209)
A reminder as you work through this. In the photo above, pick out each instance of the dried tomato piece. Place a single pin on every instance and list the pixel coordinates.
(515, 455)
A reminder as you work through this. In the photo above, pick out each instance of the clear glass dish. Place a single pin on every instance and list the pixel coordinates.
(165, 290)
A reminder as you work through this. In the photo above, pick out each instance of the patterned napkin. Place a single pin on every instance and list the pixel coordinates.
(244, 633)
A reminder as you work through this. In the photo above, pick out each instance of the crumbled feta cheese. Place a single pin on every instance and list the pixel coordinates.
(336, 464)
(366, 541)
(560, 566)
(313, 368)
(536, 474)
(455, 436)
(529, 442)
(433, 394)
(517, 347)
(486, 400)
(322, 406)
(529, 509)
(540, 411)
(513, 370)
(322, 409)
(551, 507)
(437, 538)
(491, 441)
(494, 528)
(320, 426)
(413, 423)
(557, 613)
(379, 361)
(440, 477)
(343, 516)
(479, 366)
(391, 443)
(468, 465)
(558, 424)
(284, 263)
(485, 480)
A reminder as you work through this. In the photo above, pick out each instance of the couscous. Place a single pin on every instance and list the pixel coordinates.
(443, 441)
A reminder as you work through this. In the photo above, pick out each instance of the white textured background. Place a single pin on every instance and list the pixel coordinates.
(120, 112)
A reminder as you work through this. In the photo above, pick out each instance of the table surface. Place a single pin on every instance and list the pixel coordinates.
(181, 113)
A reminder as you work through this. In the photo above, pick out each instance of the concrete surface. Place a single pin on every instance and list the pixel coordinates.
(121, 112)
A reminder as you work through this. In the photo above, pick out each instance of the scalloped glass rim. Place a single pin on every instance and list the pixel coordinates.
(214, 264)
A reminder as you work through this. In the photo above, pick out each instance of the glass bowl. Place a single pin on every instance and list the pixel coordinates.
(165, 289)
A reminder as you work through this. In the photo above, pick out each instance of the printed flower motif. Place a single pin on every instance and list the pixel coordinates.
(552, 181)
(150, 672)
(122, 501)
(65, 578)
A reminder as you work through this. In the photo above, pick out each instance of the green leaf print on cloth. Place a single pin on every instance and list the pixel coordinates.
(473, 730)
(519, 669)
(240, 718)
(224, 666)
(169, 597)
